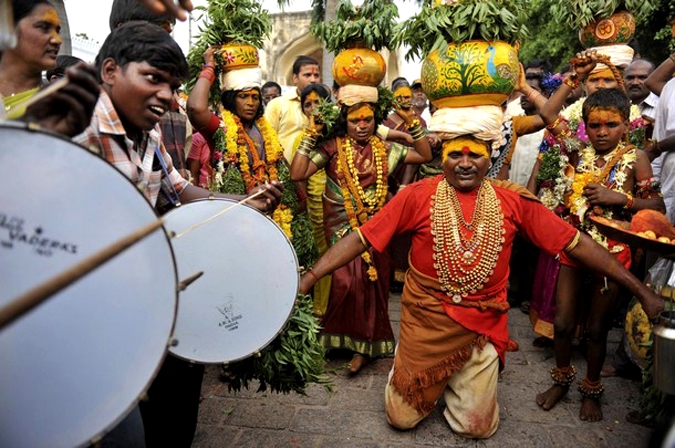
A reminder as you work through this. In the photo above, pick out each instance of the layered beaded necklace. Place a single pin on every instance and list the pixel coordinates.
(464, 264)
(350, 184)
(366, 203)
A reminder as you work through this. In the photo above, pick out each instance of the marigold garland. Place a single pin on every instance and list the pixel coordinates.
(553, 184)
(588, 172)
(236, 144)
(350, 185)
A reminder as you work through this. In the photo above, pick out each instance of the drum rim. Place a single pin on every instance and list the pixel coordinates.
(35, 129)
(297, 289)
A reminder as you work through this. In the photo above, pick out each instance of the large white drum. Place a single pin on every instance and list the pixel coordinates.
(73, 366)
(249, 285)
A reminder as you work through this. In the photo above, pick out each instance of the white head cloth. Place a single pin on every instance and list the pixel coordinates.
(620, 55)
(351, 94)
(241, 79)
(481, 122)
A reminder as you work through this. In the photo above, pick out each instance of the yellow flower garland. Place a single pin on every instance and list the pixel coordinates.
(237, 142)
(587, 172)
(351, 188)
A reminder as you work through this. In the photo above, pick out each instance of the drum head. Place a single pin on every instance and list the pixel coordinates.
(248, 288)
(73, 366)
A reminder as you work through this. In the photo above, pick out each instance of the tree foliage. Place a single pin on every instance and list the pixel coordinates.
(558, 43)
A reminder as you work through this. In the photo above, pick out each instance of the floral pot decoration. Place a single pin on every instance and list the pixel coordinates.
(238, 27)
(234, 56)
(359, 65)
(615, 29)
(471, 73)
(603, 22)
(356, 36)
(470, 50)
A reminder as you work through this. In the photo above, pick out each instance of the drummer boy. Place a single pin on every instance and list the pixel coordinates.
(139, 67)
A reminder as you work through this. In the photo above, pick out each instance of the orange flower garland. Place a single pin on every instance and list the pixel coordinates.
(237, 143)
(237, 151)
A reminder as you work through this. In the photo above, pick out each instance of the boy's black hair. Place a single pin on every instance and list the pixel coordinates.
(143, 42)
(543, 64)
(124, 11)
(228, 99)
(269, 84)
(607, 99)
(23, 8)
(301, 61)
(320, 90)
(63, 61)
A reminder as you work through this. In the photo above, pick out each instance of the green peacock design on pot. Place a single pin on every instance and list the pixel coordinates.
(471, 68)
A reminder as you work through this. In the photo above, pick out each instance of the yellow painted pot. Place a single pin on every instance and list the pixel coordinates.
(360, 66)
(234, 55)
(616, 29)
(473, 73)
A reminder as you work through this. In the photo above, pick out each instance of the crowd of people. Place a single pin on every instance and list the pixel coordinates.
(462, 222)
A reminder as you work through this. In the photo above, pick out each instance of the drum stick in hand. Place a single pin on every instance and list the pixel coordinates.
(34, 297)
(222, 212)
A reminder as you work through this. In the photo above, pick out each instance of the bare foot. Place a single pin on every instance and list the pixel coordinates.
(590, 410)
(357, 362)
(552, 396)
(608, 370)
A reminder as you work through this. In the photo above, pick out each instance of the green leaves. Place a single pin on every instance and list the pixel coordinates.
(234, 20)
(373, 25)
(489, 20)
(291, 362)
(576, 14)
(225, 21)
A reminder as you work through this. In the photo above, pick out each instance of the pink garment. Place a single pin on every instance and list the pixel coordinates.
(201, 151)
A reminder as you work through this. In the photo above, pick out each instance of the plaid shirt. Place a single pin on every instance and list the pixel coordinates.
(106, 136)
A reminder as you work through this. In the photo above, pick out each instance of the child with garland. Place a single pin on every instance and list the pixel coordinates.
(553, 171)
(243, 149)
(357, 163)
(610, 178)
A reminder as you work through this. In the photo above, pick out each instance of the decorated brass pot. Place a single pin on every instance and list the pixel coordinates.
(472, 73)
(235, 55)
(616, 29)
(361, 66)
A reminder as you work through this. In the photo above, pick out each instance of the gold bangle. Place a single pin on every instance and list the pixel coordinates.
(363, 240)
(629, 201)
(302, 152)
(572, 83)
(311, 133)
(572, 244)
(555, 124)
(414, 123)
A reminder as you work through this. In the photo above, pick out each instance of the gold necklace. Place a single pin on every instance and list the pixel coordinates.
(463, 264)
(351, 173)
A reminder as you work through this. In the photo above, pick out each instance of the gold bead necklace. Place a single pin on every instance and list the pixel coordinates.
(464, 264)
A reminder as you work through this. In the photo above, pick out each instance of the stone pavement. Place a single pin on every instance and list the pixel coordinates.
(353, 416)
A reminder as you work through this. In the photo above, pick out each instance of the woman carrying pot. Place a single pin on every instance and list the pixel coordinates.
(244, 149)
(357, 164)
